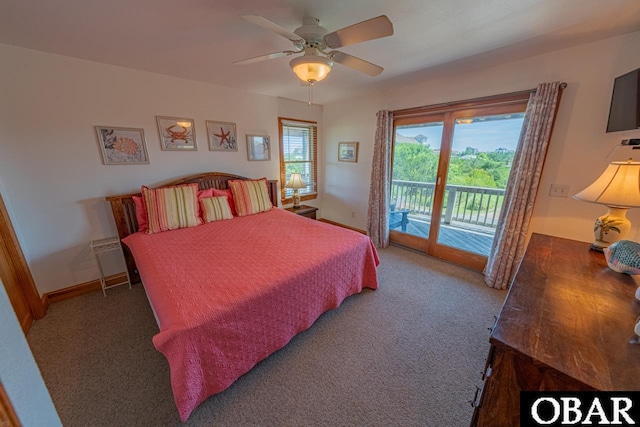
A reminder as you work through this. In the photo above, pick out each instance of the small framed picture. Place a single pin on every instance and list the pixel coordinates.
(176, 134)
(258, 147)
(348, 152)
(221, 136)
(122, 146)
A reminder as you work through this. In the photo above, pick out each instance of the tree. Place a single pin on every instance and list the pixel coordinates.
(414, 162)
(417, 162)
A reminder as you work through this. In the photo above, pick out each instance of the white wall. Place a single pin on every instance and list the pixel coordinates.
(19, 373)
(50, 162)
(579, 150)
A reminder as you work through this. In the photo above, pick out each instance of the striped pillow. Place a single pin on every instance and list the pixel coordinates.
(250, 196)
(215, 208)
(169, 208)
(229, 195)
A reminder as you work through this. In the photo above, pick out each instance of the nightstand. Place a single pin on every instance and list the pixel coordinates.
(107, 245)
(303, 210)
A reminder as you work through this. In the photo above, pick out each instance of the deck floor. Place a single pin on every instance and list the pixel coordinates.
(458, 236)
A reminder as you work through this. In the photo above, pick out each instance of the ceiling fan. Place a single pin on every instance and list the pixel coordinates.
(318, 43)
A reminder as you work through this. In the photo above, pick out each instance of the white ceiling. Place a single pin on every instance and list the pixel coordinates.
(199, 39)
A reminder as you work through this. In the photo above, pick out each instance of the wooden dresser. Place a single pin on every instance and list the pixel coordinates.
(565, 325)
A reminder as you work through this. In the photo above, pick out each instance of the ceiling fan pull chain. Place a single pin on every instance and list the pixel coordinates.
(310, 94)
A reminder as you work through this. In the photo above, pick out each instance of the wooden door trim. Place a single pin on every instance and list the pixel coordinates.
(441, 175)
(491, 110)
(8, 416)
(409, 240)
(37, 305)
(494, 100)
(461, 257)
(415, 120)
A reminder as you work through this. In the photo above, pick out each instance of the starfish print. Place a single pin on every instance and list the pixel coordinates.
(223, 136)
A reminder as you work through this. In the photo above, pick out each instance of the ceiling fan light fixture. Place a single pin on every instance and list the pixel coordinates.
(311, 68)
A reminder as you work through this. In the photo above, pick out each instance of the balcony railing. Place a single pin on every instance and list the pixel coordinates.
(472, 205)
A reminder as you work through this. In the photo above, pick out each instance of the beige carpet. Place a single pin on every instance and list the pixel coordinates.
(409, 354)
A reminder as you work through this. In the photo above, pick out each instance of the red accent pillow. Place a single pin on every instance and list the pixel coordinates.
(141, 213)
(202, 194)
(229, 195)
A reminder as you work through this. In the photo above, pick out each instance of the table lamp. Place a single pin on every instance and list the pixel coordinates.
(295, 182)
(618, 188)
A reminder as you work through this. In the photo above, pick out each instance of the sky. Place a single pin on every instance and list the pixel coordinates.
(483, 135)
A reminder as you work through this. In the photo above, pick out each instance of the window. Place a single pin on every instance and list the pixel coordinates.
(298, 153)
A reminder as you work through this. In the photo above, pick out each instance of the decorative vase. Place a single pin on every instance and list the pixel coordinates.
(610, 228)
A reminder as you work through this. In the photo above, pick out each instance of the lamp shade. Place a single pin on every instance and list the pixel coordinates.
(311, 68)
(295, 181)
(618, 186)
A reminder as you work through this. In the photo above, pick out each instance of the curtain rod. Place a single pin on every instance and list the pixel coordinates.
(508, 97)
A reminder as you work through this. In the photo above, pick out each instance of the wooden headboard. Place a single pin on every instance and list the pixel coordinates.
(124, 210)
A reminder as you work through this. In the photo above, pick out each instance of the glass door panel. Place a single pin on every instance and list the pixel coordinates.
(479, 164)
(450, 169)
(415, 167)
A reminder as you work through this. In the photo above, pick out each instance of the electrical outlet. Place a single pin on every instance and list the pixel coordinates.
(559, 190)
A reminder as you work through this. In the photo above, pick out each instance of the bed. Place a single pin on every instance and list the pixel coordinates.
(227, 294)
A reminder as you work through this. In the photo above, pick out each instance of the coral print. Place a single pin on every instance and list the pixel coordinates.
(121, 146)
(127, 146)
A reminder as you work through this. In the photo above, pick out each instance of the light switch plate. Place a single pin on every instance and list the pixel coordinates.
(559, 190)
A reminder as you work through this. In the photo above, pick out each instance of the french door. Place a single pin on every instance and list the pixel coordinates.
(450, 168)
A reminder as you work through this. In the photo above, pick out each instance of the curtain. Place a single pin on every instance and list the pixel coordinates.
(378, 212)
(520, 194)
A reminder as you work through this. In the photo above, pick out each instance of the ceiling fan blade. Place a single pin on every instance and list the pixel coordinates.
(374, 28)
(265, 57)
(268, 25)
(355, 63)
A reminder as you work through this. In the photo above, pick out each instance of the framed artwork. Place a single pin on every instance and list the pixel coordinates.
(221, 136)
(122, 146)
(258, 147)
(348, 152)
(176, 134)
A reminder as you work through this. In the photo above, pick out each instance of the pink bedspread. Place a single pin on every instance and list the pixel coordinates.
(228, 294)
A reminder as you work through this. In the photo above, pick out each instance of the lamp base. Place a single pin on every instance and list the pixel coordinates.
(296, 199)
(610, 228)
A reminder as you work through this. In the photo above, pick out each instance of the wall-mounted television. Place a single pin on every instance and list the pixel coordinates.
(624, 113)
